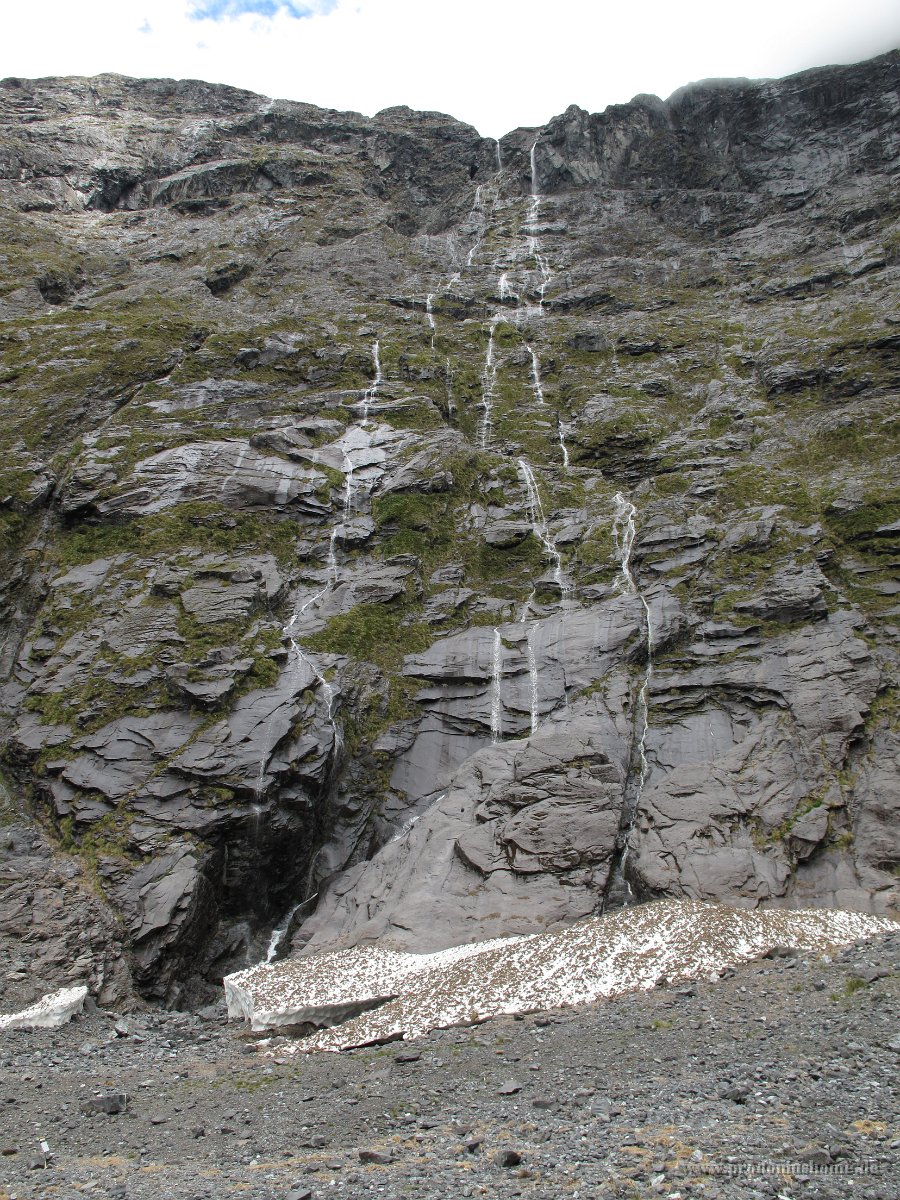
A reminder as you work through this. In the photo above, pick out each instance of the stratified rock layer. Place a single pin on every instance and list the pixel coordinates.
(434, 540)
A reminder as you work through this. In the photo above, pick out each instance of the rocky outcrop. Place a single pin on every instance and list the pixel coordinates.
(402, 546)
(522, 839)
(56, 933)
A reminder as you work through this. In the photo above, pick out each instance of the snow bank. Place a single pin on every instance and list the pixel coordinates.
(49, 1012)
(405, 995)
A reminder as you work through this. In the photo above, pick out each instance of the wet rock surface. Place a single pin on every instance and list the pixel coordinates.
(352, 468)
(779, 1077)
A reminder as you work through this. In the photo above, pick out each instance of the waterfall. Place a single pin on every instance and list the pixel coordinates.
(562, 430)
(624, 530)
(539, 525)
(328, 692)
(477, 213)
(407, 826)
(337, 737)
(504, 288)
(429, 299)
(372, 390)
(281, 931)
(496, 683)
(536, 375)
(332, 557)
(498, 154)
(278, 934)
(531, 224)
(488, 383)
(348, 485)
(533, 676)
(448, 386)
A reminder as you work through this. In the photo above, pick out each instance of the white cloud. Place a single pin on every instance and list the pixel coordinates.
(494, 63)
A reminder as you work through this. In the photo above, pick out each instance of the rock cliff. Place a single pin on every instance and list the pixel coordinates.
(432, 538)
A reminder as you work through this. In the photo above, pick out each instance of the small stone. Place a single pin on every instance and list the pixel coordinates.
(111, 1103)
(37, 1164)
(870, 974)
(379, 1157)
(507, 1158)
(299, 1194)
(408, 1056)
(509, 1089)
(781, 952)
(815, 1155)
(197, 1131)
(542, 1103)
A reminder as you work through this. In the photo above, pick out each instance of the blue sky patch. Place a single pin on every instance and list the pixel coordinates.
(218, 10)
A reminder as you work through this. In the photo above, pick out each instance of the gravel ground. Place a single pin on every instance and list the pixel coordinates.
(688, 1091)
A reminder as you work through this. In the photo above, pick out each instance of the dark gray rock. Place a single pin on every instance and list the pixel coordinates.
(111, 1104)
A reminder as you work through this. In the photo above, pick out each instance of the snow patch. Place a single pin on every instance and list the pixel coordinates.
(49, 1012)
(405, 995)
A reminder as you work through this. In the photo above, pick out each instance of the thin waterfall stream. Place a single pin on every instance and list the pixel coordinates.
(496, 687)
(624, 530)
(488, 384)
(429, 314)
(562, 429)
(371, 391)
(533, 676)
(531, 225)
(536, 375)
(301, 658)
(539, 525)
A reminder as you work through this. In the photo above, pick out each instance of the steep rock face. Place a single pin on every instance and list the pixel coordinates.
(431, 538)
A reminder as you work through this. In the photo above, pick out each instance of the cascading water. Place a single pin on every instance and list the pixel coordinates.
(348, 484)
(429, 313)
(536, 375)
(504, 288)
(478, 215)
(279, 933)
(328, 692)
(488, 383)
(562, 430)
(624, 530)
(496, 686)
(407, 825)
(448, 388)
(539, 525)
(531, 224)
(301, 658)
(533, 676)
(372, 390)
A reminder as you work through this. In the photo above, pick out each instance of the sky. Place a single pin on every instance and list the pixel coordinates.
(496, 64)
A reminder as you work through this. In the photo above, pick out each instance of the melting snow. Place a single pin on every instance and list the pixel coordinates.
(622, 951)
(49, 1012)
